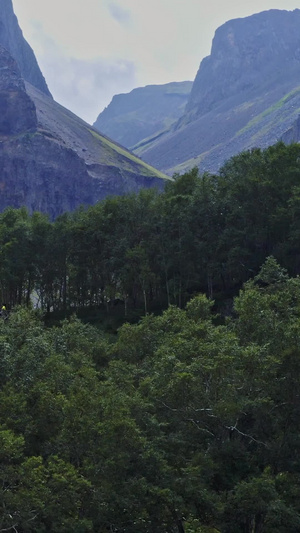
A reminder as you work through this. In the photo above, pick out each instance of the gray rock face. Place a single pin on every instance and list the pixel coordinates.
(51, 160)
(248, 54)
(17, 110)
(292, 135)
(11, 38)
(245, 94)
(144, 112)
(45, 176)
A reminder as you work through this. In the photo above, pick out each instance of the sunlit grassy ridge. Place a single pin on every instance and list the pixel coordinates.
(145, 168)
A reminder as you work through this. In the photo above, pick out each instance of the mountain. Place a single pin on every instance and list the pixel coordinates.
(11, 38)
(245, 94)
(292, 135)
(144, 112)
(51, 160)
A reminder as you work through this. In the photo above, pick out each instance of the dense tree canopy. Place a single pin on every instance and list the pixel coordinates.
(180, 425)
(205, 233)
(186, 420)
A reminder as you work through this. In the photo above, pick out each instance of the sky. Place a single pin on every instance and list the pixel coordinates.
(90, 50)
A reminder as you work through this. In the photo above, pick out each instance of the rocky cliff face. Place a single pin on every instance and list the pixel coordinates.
(292, 135)
(52, 161)
(17, 111)
(245, 94)
(247, 55)
(144, 112)
(11, 38)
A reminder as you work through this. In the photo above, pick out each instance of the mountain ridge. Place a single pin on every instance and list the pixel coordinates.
(245, 94)
(144, 112)
(11, 38)
(50, 159)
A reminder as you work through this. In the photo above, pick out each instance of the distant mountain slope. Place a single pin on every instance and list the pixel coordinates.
(11, 38)
(245, 94)
(52, 161)
(292, 135)
(144, 112)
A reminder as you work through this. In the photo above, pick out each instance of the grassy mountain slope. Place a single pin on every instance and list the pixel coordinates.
(210, 140)
(95, 149)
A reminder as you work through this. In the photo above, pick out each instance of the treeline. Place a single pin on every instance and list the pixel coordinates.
(180, 426)
(204, 233)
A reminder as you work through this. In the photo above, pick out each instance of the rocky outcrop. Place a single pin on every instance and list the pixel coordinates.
(17, 110)
(51, 160)
(44, 175)
(292, 135)
(245, 94)
(11, 38)
(247, 56)
(144, 112)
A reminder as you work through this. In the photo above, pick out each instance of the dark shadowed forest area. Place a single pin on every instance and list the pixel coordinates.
(205, 234)
(149, 375)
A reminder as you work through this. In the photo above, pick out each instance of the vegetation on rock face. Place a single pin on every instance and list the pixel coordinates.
(185, 421)
(133, 159)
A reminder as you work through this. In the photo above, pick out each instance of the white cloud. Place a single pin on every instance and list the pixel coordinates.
(128, 42)
(85, 86)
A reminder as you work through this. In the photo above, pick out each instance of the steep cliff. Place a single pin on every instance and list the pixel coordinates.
(248, 55)
(144, 112)
(52, 161)
(245, 94)
(11, 38)
(17, 111)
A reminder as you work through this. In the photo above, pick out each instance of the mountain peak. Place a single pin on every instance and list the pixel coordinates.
(246, 94)
(246, 54)
(11, 38)
(51, 160)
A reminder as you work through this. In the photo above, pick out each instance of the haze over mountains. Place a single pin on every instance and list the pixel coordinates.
(50, 160)
(245, 94)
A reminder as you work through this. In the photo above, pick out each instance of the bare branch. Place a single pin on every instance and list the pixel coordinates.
(11, 528)
(167, 406)
(32, 518)
(202, 409)
(194, 409)
(234, 428)
(200, 428)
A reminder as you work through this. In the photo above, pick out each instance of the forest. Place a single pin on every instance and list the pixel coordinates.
(149, 358)
(204, 234)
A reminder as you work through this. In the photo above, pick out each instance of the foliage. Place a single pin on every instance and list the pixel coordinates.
(181, 425)
(130, 255)
(183, 421)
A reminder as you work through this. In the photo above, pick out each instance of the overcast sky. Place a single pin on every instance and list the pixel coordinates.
(90, 50)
